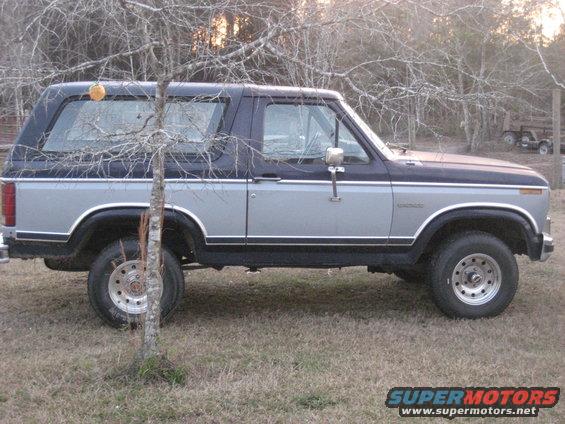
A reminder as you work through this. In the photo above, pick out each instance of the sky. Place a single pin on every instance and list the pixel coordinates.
(552, 18)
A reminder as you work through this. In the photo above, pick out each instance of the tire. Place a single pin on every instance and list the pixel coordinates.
(412, 275)
(106, 280)
(528, 137)
(510, 138)
(455, 270)
(543, 149)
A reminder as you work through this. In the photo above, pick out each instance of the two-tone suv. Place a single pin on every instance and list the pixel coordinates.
(296, 180)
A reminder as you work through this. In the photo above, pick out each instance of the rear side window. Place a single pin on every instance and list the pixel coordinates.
(113, 124)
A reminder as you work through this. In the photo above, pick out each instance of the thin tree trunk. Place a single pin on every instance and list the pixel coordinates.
(154, 282)
(465, 107)
(481, 104)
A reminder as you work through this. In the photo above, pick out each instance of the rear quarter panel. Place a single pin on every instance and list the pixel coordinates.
(57, 207)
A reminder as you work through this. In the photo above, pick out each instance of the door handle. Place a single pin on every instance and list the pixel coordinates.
(266, 178)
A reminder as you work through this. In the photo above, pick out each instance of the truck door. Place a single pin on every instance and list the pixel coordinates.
(290, 196)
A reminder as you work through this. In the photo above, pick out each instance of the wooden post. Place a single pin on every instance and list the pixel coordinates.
(557, 161)
(411, 131)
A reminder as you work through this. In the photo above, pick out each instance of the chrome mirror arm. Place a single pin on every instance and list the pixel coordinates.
(333, 172)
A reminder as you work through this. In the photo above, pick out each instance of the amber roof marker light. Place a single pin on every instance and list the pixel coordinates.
(97, 92)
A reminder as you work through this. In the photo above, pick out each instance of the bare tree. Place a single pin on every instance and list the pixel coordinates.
(163, 40)
(428, 63)
(439, 62)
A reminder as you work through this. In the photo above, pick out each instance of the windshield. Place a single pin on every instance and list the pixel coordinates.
(369, 132)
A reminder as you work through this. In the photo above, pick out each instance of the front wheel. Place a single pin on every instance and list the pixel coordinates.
(116, 288)
(473, 275)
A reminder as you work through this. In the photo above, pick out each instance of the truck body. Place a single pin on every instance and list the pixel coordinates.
(297, 180)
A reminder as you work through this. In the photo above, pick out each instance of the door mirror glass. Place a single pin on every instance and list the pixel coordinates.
(334, 156)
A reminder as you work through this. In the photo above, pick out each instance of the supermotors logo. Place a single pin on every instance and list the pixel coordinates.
(451, 402)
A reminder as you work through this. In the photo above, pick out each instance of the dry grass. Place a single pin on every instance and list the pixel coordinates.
(283, 345)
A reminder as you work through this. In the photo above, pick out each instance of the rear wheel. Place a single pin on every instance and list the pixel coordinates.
(510, 138)
(116, 288)
(543, 148)
(473, 275)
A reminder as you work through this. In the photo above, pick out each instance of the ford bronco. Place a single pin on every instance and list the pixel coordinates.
(298, 180)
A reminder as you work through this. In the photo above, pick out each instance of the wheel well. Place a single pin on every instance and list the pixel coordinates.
(180, 234)
(104, 235)
(510, 232)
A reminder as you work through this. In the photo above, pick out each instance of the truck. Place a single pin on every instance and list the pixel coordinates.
(532, 133)
(264, 176)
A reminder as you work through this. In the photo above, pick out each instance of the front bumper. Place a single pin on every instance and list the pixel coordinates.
(4, 258)
(547, 247)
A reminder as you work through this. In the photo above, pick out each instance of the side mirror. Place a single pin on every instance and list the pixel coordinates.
(334, 156)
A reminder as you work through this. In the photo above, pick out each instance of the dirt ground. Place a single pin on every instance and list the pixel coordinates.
(279, 346)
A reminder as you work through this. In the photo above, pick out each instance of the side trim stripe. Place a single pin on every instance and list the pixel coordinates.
(225, 240)
(41, 236)
(318, 241)
(240, 240)
(127, 180)
(467, 185)
(286, 181)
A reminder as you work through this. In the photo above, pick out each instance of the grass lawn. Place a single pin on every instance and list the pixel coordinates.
(279, 346)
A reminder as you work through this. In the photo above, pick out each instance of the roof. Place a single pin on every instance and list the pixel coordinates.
(286, 91)
(138, 88)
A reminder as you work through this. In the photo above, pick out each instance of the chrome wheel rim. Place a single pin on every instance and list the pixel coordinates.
(127, 288)
(508, 139)
(476, 279)
(543, 150)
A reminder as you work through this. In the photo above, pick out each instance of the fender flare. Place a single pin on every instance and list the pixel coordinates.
(130, 215)
(528, 232)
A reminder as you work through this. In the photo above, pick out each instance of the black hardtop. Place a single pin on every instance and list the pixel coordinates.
(54, 96)
(191, 89)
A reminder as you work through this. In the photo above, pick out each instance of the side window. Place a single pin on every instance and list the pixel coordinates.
(297, 133)
(110, 124)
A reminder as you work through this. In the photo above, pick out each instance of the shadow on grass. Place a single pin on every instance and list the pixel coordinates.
(232, 293)
(362, 297)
